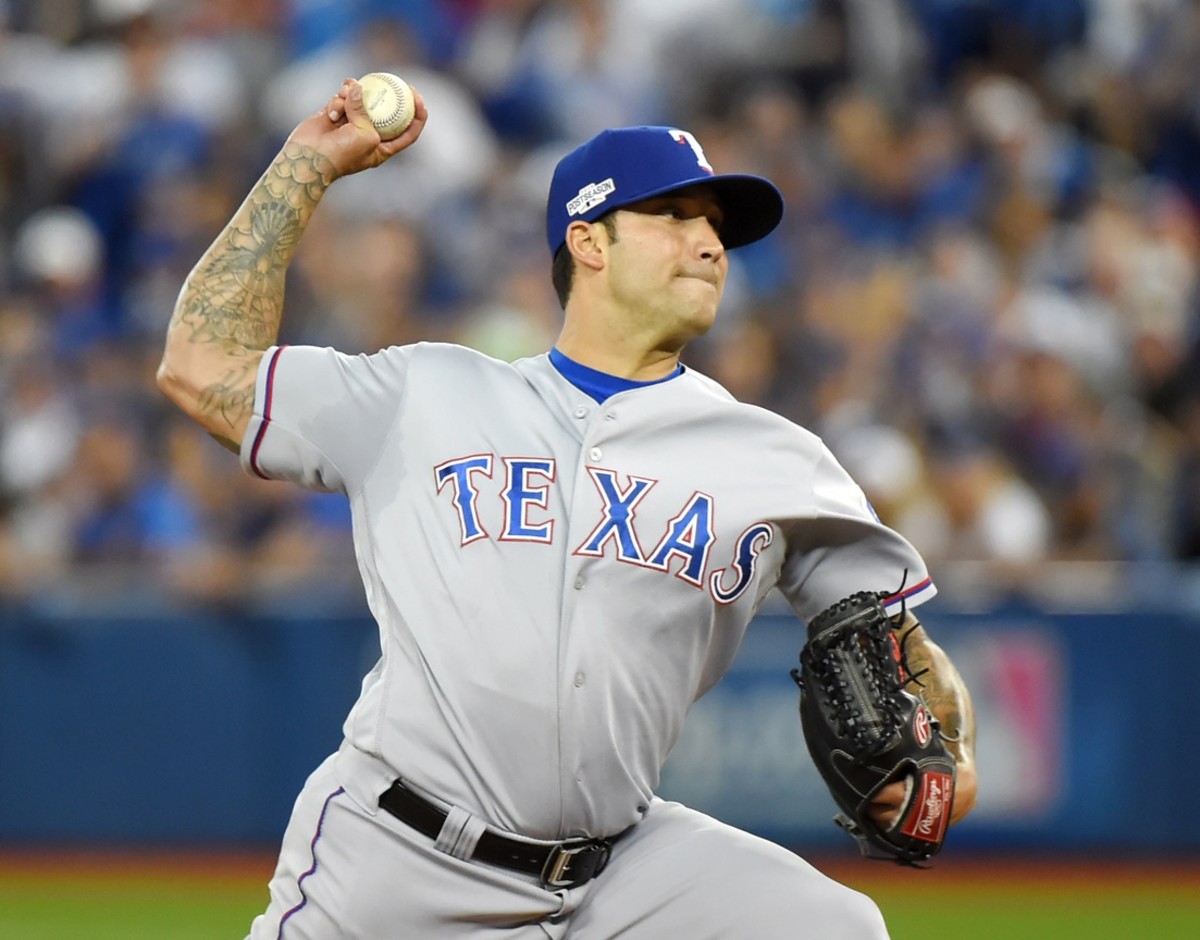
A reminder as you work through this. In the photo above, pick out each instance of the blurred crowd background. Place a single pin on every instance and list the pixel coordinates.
(983, 296)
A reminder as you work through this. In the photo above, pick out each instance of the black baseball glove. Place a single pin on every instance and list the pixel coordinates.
(864, 730)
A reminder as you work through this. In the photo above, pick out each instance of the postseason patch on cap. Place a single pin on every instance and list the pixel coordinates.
(592, 195)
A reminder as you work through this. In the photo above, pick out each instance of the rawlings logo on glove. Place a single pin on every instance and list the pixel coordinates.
(864, 731)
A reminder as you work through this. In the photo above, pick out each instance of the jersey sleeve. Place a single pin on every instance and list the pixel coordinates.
(321, 416)
(844, 548)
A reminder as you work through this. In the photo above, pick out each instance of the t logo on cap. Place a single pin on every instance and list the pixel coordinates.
(624, 165)
(685, 138)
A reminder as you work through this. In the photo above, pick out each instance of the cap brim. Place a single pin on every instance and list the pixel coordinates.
(751, 205)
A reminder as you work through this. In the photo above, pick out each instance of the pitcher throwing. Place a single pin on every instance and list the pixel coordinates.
(562, 554)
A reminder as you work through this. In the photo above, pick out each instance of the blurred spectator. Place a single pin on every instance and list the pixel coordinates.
(562, 70)
(362, 284)
(59, 259)
(115, 513)
(978, 509)
(40, 427)
(217, 536)
(1019, 35)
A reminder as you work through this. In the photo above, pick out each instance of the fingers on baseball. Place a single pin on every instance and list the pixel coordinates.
(355, 110)
(335, 110)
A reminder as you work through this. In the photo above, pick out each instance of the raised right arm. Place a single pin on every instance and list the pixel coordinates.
(231, 305)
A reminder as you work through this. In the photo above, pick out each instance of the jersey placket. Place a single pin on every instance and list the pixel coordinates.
(577, 680)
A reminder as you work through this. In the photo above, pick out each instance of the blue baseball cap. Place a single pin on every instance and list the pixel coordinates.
(627, 164)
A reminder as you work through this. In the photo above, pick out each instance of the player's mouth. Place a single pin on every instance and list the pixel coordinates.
(707, 275)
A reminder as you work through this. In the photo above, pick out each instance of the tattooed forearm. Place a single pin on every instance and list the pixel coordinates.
(941, 686)
(235, 294)
(231, 306)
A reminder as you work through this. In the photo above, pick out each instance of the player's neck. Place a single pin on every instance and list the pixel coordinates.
(616, 355)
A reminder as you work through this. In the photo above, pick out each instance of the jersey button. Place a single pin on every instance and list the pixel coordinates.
(595, 453)
(579, 583)
(581, 412)
(578, 680)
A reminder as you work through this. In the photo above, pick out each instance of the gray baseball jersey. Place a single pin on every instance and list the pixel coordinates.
(556, 580)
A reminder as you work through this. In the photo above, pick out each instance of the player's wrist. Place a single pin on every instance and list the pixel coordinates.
(302, 164)
(966, 790)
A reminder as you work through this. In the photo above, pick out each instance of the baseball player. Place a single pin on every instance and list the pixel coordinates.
(562, 554)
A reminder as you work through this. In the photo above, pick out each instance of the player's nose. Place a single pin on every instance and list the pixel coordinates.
(706, 243)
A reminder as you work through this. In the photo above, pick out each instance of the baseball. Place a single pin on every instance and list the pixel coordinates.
(389, 103)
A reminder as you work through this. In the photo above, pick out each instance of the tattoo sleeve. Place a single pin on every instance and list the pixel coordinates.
(231, 305)
(941, 686)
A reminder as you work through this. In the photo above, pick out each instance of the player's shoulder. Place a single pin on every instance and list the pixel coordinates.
(440, 352)
(708, 387)
(449, 361)
(396, 370)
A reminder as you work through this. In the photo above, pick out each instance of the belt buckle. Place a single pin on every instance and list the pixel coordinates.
(561, 857)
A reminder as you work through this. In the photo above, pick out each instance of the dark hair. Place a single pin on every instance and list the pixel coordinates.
(562, 271)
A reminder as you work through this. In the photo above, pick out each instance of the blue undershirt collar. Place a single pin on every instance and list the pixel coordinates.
(599, 385)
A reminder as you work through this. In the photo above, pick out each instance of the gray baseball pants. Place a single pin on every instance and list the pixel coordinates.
(349, 872)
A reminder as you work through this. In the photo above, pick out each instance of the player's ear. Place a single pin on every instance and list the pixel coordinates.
(585, 241)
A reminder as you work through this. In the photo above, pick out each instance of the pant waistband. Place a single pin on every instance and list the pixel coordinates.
(565, 864)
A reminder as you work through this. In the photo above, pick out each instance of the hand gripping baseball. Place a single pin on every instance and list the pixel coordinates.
(343, 133)
(866, 732)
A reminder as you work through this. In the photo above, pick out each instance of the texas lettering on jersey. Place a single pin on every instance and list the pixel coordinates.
(686, 543)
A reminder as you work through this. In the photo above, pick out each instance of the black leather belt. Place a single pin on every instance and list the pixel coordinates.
(565, 864)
